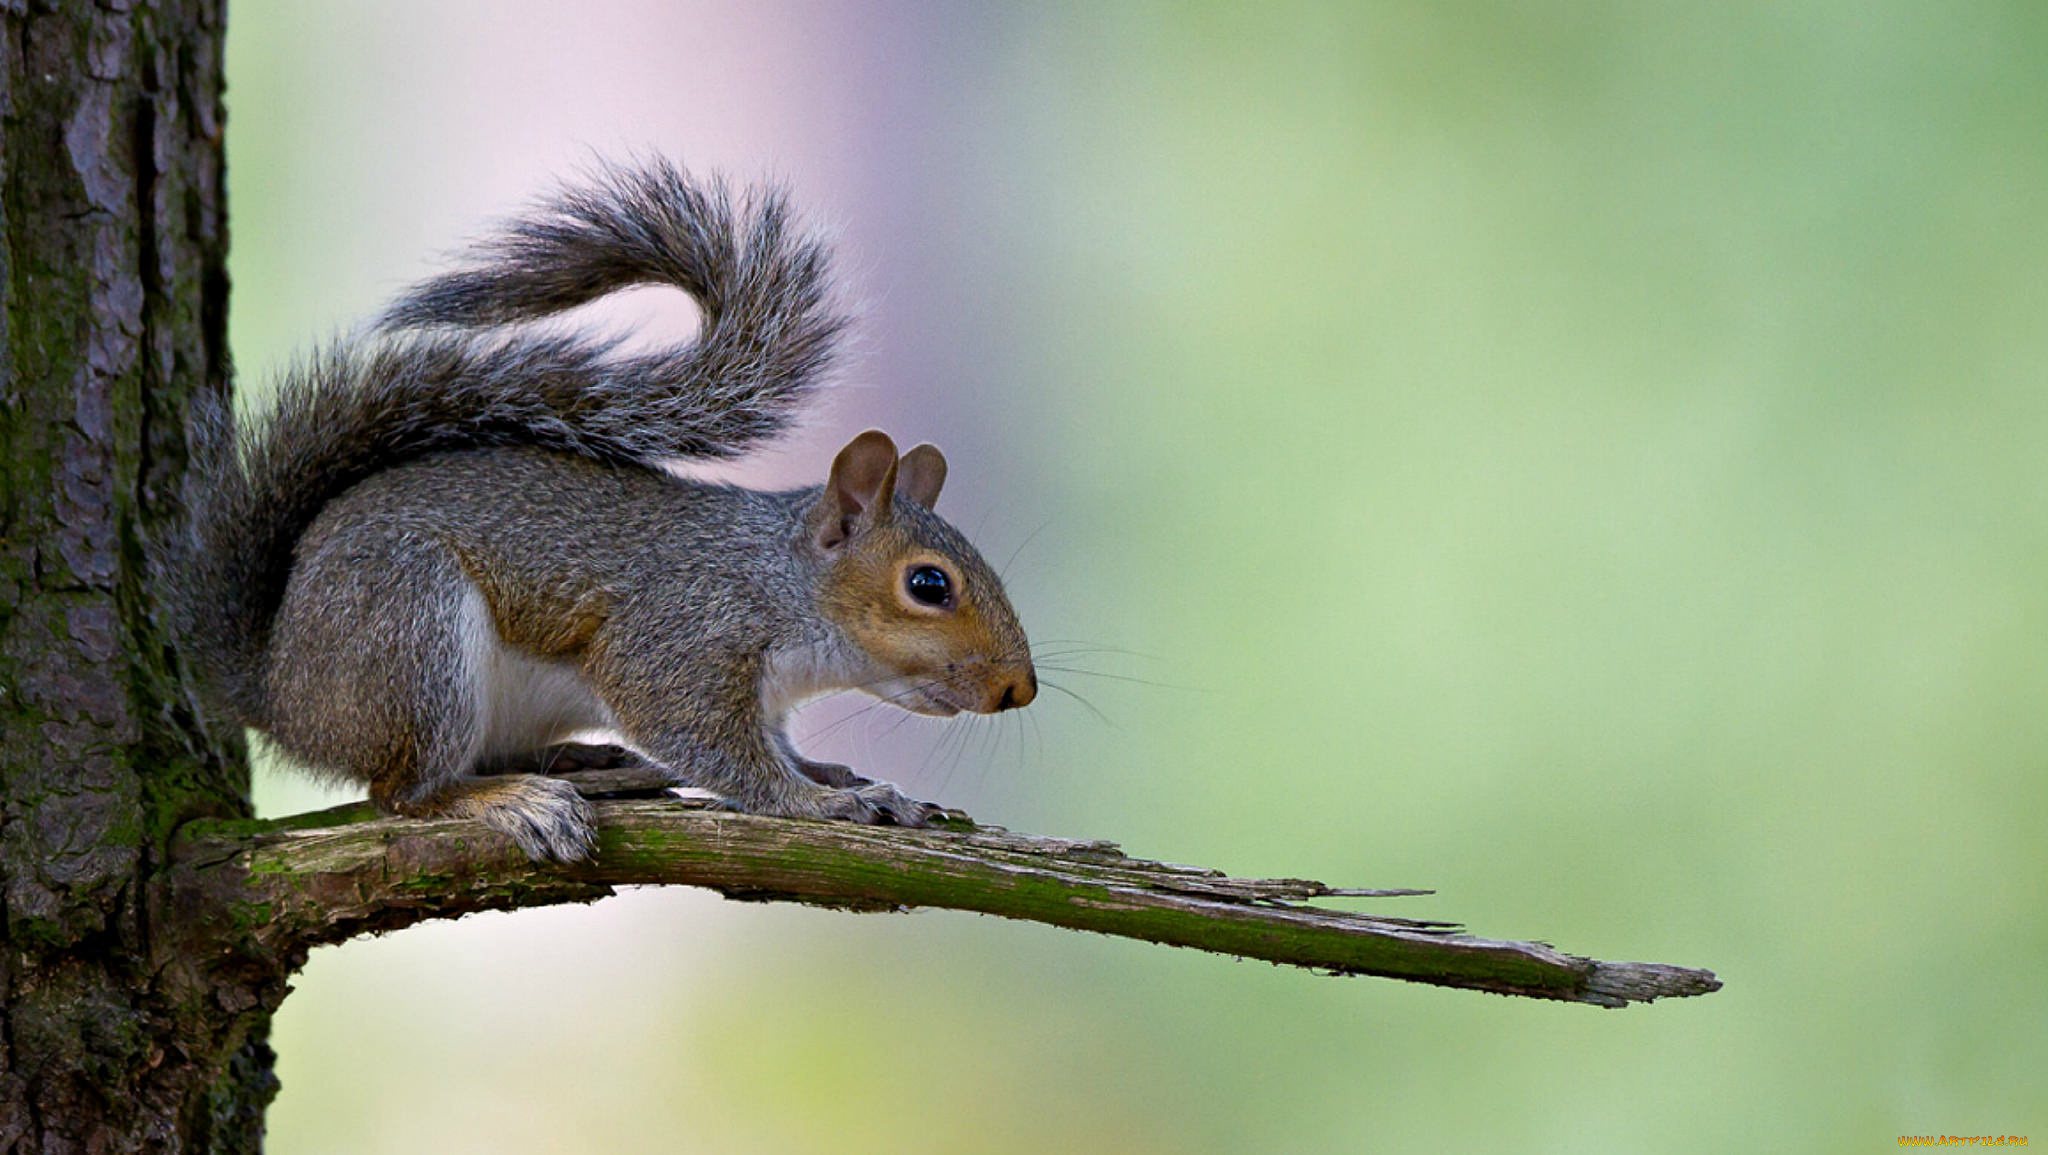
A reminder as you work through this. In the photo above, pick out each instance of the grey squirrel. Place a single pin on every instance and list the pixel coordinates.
(449, 544)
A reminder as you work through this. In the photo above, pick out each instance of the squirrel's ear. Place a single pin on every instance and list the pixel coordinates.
(920, 473)
(858, 491)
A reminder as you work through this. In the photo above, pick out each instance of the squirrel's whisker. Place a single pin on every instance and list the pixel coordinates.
(1090, 706)
(1118, 678)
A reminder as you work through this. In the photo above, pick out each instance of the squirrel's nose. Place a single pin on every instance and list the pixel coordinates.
(1017, 691)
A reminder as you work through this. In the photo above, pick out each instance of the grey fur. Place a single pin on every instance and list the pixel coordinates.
(446, 545)
(357, 407)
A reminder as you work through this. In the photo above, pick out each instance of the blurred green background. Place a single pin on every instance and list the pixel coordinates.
(1587, 459)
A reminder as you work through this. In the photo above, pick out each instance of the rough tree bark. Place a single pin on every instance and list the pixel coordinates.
(149, 923)
(115, 290)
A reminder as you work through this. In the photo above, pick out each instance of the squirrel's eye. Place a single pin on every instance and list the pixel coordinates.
(929, 584)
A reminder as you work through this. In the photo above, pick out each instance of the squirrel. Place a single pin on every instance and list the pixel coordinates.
(449, 542)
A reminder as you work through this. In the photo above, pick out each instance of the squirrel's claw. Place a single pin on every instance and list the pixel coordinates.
(878, 804)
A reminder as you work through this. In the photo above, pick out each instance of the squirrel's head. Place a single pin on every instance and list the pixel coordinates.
(910, 591)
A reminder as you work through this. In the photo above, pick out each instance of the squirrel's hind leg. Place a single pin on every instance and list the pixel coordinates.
(510, 705)
(385, 660)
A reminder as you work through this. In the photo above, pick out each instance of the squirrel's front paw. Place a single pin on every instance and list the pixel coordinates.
(832, 774)
(877, 803)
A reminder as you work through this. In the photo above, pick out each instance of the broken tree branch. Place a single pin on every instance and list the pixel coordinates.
(326, 877)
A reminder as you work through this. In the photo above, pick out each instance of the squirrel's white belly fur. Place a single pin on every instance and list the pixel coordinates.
(527, 703)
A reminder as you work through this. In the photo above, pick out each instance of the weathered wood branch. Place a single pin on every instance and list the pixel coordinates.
(326, 877)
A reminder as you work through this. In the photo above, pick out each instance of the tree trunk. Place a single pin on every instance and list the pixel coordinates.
(113, 270)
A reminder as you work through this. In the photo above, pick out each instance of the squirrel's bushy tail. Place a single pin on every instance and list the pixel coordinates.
(440, 373)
